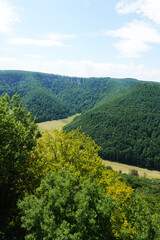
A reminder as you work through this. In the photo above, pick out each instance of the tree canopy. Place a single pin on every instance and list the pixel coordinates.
(18, 134)
(50, 96)
(127, 128)
(68, 208)
(62, 188)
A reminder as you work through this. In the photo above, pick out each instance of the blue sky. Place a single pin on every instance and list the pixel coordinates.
(100, 38)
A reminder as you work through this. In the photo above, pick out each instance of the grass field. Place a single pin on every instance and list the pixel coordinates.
(57, 124)
(124, 168)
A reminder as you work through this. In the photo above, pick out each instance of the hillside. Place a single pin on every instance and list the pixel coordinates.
(52, 182)
(119, 167)
(128, 127)
(52, 97)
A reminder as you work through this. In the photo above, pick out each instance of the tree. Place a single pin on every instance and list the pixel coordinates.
(79, 153)
(156, 225)
(18, 134)
(67, 208)
(139, 213)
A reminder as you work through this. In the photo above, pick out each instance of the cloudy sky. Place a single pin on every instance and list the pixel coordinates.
(101, 38)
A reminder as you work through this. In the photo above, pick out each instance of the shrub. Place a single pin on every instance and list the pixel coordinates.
(133, 172)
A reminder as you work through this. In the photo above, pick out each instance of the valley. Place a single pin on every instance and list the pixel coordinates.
(124, 168)
(56, 124)
(53, 173)
(119, 167)
(80, 120)
(121, 115)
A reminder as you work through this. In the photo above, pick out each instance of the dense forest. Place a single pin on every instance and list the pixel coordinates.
(128, 127)
(121, 115)
(51, 97)
(54, 186)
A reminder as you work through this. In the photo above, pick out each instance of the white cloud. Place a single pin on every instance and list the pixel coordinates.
(83, 68)
(60, 37)
(12, 63)
(8, 16)
(135, 38)
(34, 56)
(49, 40)
(147, 8)
(35, 42)
(131, 48)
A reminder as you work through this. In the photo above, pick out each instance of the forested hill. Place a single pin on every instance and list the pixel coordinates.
(51, 97)
(128, 127)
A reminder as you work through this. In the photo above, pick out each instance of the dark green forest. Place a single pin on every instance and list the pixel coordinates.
(51, 97)
(128, 127)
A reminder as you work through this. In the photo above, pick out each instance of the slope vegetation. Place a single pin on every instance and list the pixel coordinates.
(128, 127)
(52, 97)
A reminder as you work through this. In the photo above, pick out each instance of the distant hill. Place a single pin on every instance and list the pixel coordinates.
(121, 115)
(127, 127)
(52, 97)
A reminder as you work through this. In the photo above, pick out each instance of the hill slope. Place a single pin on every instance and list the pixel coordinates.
(52, 97)
(128, 127)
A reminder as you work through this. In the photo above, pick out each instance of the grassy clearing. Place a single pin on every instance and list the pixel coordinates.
(57, 124)
(124, 168)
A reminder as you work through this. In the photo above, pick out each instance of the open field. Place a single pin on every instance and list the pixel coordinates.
(57, 124)
(124, 168)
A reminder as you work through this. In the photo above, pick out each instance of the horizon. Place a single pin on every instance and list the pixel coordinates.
(17, 70)
(82, 38)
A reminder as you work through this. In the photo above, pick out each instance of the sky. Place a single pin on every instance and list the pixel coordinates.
(83, 38)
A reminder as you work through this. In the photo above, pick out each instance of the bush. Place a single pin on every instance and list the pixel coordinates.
(133, 172)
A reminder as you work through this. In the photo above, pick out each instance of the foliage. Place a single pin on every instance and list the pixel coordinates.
(78, 153)
(139, 214)
(128, 127)
(156, 225)
(18, 137)
(144, 206)
(133, 172)
(79, 198)
(64, 207)
(51, 97)
(45, 105)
